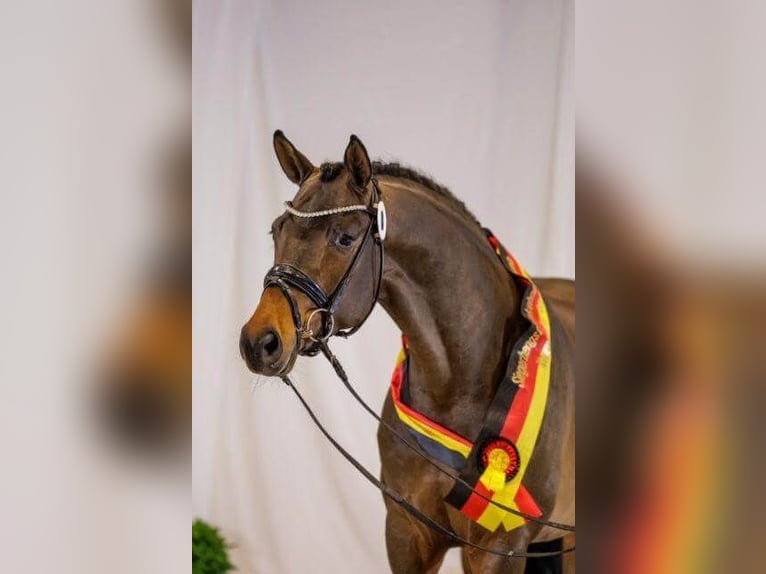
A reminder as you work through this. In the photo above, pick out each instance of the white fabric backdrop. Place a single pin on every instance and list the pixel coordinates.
(481, 96)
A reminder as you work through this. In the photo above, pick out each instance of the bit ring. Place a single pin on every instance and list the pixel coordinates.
(308, 332)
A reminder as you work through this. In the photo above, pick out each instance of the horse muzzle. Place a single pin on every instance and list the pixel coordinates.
(267, 342)
(261, 353)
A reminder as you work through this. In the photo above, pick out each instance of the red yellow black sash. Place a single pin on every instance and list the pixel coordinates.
(496, 461)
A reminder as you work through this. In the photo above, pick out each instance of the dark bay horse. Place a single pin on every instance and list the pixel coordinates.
(447, 291)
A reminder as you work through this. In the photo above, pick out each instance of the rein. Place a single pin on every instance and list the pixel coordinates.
(341, 373)
(287, 277)
(413, 511)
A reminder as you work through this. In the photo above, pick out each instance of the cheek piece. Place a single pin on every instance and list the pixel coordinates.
(288, 277)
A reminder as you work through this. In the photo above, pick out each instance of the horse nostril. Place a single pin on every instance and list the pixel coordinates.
(260, 352)
(270, 344)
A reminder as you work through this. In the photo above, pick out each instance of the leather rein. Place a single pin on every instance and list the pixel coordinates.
(288, 278)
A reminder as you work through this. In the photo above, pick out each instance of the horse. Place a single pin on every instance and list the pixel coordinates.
(444, 286)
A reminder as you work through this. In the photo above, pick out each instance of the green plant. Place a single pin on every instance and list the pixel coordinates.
(209, 550)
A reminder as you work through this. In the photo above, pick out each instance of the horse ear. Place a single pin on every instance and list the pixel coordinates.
(357, 163)
(295, 165)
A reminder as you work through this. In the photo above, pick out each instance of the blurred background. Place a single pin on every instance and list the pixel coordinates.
(481, 97)
(95, 249)
(671, 249)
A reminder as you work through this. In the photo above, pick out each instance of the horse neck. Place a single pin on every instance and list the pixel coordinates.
(449, 294)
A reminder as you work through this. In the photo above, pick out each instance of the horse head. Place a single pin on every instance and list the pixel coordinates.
(328, 231)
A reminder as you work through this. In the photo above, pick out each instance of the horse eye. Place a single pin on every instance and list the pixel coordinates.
(344, 240)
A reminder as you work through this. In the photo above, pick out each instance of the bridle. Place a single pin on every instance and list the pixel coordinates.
(288, 278)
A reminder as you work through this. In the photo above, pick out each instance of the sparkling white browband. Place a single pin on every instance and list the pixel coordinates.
(325, 212)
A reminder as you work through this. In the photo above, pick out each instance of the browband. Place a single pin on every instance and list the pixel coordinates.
(334, 211)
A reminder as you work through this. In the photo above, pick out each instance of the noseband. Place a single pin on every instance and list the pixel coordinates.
(288, 277)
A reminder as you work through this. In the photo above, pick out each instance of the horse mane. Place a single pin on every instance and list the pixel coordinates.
(330, 170)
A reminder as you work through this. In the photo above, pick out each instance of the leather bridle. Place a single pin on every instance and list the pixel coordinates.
(288, 278)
